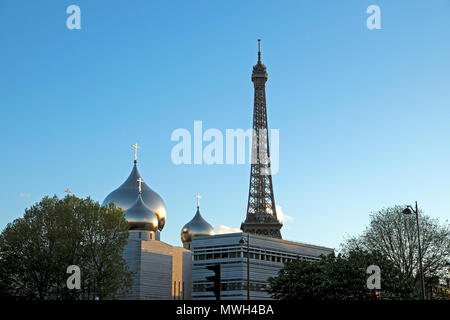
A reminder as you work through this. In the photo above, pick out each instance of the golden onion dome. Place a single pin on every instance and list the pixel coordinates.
(124, 197)
(141, 217)
(196, 227)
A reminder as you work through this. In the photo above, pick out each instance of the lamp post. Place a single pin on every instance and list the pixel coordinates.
(410, 210)
(242, 241)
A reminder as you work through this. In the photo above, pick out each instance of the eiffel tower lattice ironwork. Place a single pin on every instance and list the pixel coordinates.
(261, 211)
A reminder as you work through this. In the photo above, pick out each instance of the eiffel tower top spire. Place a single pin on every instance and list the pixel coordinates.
(259, 70)
(259, 51)
(261, 210)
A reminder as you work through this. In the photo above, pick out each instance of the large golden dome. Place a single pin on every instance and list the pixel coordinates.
(124, 197)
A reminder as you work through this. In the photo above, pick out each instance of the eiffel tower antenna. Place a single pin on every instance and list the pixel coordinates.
(259, 51)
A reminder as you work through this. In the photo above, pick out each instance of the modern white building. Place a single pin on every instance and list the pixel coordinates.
(267, 257)
(161, 271)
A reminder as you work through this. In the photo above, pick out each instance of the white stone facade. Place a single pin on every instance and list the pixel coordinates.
(161, 271)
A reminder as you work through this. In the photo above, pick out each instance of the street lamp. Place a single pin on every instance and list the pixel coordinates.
(410, 210)
(243, 241)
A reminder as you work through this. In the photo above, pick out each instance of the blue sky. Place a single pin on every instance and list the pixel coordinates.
(363, 114)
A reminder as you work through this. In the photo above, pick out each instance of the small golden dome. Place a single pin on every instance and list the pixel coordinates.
(141, 217)
(196, 227)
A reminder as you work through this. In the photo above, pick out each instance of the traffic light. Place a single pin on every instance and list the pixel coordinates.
(215, 279)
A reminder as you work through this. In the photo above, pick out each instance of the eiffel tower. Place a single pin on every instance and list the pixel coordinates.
(261, 211)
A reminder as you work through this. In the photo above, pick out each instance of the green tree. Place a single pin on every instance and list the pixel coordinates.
(394, 234)
(36, 250)
(341, 277)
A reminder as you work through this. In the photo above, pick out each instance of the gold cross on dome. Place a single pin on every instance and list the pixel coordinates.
(140, 184)
(198, 200)
(136, 147)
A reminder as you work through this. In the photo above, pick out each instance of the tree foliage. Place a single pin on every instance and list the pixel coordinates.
(394, 235)
(339, 277)
(36, 250)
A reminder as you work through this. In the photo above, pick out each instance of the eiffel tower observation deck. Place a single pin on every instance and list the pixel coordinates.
(261, 211)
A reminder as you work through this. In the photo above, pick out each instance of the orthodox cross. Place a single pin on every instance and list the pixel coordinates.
(140, 184)
(198, 200)
(136, 147)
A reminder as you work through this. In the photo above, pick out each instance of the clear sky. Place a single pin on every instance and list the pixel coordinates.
(363, 114)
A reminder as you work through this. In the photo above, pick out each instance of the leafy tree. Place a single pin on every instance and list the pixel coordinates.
(341, 277)
(36, 250)
(394, 234)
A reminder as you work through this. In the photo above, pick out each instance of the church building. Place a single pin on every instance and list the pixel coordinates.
(161, 271)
